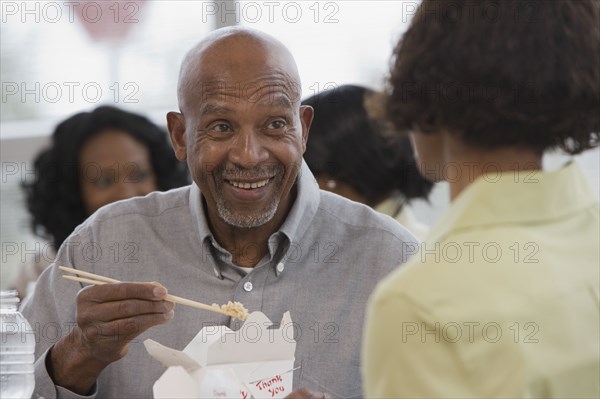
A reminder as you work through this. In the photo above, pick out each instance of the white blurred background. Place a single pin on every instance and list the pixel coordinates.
(62, 57)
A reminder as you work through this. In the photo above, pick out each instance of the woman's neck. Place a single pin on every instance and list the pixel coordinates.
(465, 164)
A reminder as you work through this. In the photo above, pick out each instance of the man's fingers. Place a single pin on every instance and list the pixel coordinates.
(123, 330)
(134, 326)
(108, 311)
(110, 316)
(120, 291)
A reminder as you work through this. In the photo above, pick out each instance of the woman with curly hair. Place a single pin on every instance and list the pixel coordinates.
(353, 154)
(503, 298)
(95, 158)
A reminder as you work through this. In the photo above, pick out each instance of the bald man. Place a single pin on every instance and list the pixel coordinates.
(253, 227)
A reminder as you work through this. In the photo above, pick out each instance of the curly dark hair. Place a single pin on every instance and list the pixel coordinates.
(54, 198)
(501, 73)
(350, 146)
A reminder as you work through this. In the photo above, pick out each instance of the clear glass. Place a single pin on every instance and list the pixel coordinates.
(17, 347)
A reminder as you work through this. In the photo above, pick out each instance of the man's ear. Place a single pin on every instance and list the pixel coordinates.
(176, 126)
(306, 118)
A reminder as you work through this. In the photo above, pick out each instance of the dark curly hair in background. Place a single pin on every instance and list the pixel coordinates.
(498, 74)
(54, 199)
(348, 145)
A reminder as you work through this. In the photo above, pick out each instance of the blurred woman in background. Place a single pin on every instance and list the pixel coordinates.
(95, 158)
(354, 155)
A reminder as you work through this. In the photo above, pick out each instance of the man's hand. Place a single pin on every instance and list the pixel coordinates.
(108, 318)
(306, 394)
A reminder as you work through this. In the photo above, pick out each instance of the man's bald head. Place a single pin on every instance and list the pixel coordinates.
(236, 58)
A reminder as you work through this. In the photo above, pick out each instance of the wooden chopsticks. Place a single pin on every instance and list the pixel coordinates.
(95, 279)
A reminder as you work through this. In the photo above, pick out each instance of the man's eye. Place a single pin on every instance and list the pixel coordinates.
(220, 128)
(276, 124)
(104, 181)
(138, 176)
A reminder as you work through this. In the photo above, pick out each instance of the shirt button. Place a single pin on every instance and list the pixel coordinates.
(248, 286)
(280, 267)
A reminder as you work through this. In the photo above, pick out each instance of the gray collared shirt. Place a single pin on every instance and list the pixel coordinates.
(322, 265)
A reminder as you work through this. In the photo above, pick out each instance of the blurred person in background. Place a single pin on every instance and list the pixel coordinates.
(94, 158)
(504, 299)
(354, 155)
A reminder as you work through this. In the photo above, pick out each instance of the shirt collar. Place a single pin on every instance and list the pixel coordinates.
(198, 214)
(295, 225)
(305, 206)
(525, 197)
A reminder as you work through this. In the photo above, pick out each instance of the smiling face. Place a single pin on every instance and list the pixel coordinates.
(245, 157)
(242, 131)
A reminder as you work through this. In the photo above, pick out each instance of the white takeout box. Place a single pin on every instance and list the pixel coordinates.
(255, 361)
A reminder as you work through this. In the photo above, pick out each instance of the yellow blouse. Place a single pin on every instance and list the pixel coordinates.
(502, 299)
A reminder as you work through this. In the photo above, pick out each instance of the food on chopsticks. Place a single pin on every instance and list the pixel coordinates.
(232, 309)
